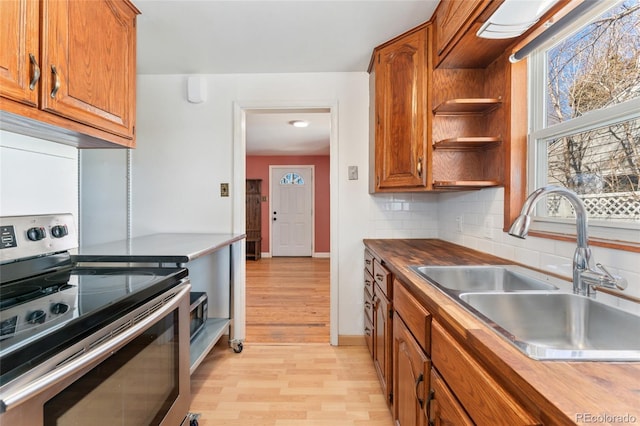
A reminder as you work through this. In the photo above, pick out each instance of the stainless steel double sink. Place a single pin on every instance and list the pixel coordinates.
(539, 314)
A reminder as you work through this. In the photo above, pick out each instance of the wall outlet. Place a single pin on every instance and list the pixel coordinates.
(459, 224)
(224, 189)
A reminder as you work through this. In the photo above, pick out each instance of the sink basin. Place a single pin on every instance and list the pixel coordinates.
(482, 278)
(552, 325)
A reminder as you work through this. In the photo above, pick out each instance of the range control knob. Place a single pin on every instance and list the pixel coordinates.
(36, 317)
(36, 233)
(59, 308)
(59, 231)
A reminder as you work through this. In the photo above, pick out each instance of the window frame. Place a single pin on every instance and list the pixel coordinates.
(601, 232)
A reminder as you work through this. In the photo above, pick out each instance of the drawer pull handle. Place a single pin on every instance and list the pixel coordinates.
(379, 277)
(367, 331)
(419, 380)
(56, 81)
(420, 167)
(36, 72)
(427, 407)
(367, 305)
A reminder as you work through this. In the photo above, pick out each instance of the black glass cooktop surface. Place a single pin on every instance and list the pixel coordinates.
(42, 315)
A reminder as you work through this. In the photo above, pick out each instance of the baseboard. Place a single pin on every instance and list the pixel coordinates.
(315, 254)
(351, 340)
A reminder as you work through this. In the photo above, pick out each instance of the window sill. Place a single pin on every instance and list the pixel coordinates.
(593, 241)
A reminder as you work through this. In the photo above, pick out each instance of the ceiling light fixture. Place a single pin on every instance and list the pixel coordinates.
(299, 123)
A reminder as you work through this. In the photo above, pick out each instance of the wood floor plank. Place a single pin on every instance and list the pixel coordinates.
(285, 385)
(288, 374)
(287, 300)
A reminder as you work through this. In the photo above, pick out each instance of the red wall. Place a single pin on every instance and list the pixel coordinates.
(258, 168)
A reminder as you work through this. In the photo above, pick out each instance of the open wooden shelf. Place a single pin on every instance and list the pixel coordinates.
(472, 142)
(465, 184)
(467, 106)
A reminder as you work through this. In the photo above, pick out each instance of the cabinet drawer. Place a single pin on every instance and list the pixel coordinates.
(368, 305)
(368, 281)
(417, 318)
(482, 397)
(368, 334)
(382, 277)
(368, 262)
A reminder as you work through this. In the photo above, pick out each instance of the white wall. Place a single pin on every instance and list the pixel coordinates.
(186, 150)
(103, 204)
(37, 176)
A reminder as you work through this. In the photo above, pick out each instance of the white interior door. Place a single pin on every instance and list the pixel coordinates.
(291, 210)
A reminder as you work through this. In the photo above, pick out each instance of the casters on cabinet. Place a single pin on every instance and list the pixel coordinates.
(236, 345)
(192, 418)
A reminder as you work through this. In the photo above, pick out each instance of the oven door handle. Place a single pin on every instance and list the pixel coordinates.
(22, 394)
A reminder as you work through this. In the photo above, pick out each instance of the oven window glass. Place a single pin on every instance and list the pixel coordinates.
(135, 386)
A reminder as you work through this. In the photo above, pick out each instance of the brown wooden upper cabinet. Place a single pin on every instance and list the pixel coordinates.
(69, 68)
(451, 20)
(399, 79)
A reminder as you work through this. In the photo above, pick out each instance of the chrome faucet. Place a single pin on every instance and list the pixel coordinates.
(585, 277)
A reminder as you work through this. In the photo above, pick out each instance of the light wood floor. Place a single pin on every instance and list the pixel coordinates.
(287, 300)
(289, 385)
(279, 379)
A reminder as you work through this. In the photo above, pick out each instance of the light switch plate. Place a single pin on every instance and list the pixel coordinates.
(224, 189)
(353, 172)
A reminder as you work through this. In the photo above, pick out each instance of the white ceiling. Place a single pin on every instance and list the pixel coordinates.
(271, 36)
(269, 132)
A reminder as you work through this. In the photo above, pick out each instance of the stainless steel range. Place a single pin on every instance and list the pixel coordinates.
(94, 344)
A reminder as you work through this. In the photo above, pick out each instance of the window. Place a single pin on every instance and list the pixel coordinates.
(292, 178)
(585, 123)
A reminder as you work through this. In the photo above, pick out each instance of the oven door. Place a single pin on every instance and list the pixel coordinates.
(137, 377)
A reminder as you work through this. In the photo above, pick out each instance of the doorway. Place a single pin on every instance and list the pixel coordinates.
(291, 210)
(241, 130)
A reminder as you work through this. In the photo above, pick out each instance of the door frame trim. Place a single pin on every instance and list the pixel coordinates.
(238, 218)
(312, 167)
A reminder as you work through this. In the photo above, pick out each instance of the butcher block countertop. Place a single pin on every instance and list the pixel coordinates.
(557, 392)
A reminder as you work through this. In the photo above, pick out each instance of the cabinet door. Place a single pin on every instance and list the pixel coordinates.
(411, 372)
(451, 19)
(400, 102)
(444, 408)
(382, 340)
(88, 62)
(18, 44)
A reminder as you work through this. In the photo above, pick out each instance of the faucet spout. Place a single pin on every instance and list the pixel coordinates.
(584, 275)
(520, 227)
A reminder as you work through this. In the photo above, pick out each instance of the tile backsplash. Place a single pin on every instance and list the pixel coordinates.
(474, 219)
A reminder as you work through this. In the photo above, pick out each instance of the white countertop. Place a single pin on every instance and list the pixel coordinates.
(178, 247)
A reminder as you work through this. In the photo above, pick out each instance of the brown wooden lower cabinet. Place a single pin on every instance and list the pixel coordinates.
(482, 397)
(378, 311)
(411, 376)
(437, 381)
(382, 311)
(444, 408)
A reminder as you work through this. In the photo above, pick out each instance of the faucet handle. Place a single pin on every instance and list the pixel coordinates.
(619, 282)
